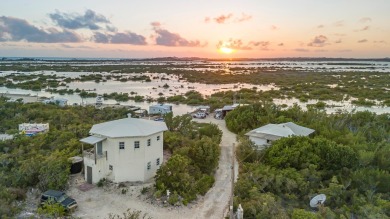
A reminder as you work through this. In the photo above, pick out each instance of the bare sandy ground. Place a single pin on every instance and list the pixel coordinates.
(99, 202)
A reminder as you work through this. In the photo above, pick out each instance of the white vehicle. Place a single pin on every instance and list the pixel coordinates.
(199, 115)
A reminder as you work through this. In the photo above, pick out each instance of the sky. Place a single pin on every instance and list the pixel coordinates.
(195, 28)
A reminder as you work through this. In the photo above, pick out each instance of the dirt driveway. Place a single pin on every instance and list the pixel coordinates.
(99, 202)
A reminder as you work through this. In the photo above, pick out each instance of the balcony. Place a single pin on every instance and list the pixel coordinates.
(90, 154)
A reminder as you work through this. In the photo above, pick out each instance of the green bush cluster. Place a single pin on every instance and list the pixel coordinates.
(343, 159)
(195, 148)
(42, 161)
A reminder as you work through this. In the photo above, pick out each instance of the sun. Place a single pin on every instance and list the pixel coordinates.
(226, 50)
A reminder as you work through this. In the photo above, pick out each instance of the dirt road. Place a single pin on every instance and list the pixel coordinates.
(99, 202)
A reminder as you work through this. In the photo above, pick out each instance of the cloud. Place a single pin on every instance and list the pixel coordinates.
(244, 17)
(318, 41)
(119, 38)
(344, 50)
(238, 44)
(339, 23)
(229, 18)
(263, 45)
(365, 20)
(75, 47)
(90, 20)
(363, 41)
(155, 24)
(234, 44)
(363, 29)
(15, 29)
(164, 37)
(128, 38)
(321, 50)
(301, 50)
(223, 18)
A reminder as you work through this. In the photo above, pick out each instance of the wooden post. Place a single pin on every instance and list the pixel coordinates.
(232, 192)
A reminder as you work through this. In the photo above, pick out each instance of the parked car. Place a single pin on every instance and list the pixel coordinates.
(53, 196)
(199, 115)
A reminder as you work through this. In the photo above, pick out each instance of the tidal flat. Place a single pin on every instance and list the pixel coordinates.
(333, 85)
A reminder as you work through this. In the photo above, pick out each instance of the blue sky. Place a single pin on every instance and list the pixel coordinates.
(213, 28)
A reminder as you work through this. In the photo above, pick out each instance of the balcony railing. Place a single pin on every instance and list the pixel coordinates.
(91, 154)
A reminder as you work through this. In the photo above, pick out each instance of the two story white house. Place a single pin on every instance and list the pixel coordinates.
(123, 150)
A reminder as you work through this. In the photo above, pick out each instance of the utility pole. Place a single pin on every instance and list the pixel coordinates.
(232, 192)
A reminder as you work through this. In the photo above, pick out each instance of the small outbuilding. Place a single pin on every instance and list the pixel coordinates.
(160, 109)
(265, 135)
(31, 129)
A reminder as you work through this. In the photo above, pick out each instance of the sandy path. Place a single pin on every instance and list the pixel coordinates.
(99, 202)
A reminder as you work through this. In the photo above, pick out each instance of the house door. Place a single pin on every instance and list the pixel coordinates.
(89, 174)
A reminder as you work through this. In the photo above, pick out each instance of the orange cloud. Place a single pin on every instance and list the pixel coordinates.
(229, 18)
(318, 41)
(223, 18)
(164, 37)
(238, 44)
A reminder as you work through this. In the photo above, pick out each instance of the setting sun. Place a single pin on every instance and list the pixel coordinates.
(226, 50)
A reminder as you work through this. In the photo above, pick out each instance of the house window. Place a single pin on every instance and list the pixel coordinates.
(158, 138)
(149, 142)
(121, 145)
(110, 167)
(136, 144)
(158, 162)
(149, 165)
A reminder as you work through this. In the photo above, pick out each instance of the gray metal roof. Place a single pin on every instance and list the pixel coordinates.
(276, 131)
(128, 127)
(92, 140)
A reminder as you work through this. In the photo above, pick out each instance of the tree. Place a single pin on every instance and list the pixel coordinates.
(177, 175)
(205, 154)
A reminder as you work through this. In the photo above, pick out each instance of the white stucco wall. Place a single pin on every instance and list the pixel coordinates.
(99, 170)
(259, 142)
(129, 164)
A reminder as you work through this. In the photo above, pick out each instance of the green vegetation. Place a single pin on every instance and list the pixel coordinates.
(42, 161)
(298, 83)
(344, 159)
(190, 170)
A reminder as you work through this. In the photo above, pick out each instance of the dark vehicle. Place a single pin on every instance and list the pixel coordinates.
(53, 196)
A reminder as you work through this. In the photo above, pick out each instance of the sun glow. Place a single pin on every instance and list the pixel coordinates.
(226, 50)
